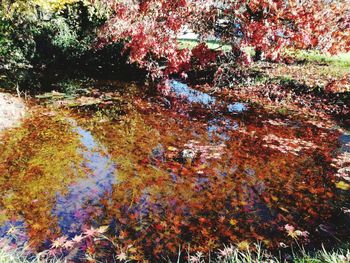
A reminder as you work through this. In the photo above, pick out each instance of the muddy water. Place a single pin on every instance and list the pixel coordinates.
(168, 171)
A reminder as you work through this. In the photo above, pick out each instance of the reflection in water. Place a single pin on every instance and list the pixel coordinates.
(345, 143)
(218, 127)
(161, 179)
(237, 107)
(194, 96)
(69, 207)
(37, 161)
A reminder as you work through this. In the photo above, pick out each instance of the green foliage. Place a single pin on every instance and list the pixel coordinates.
(38, 34)
(212, 44)
(17, 45)
(71, 31)
(236, 256)
(340, 60)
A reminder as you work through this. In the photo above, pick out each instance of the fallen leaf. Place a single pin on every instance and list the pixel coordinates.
(342, 185)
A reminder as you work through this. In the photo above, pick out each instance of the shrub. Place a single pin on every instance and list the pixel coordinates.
(42, 34)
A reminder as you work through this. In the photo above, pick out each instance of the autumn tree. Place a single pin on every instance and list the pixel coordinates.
(150, 28)
(273, 25)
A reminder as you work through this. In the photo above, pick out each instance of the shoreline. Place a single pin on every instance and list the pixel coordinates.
(12, 110)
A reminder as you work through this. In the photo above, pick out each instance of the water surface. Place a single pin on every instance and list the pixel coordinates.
(185, 168)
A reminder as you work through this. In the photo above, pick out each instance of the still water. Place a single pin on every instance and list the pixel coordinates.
(168, 171)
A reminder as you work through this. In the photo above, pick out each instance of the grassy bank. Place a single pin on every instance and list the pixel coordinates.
(212, 44)
(232, 254)
(340, 60)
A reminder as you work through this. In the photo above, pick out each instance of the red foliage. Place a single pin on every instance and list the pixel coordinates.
(272, 25)
(150, 28)
(203, 55)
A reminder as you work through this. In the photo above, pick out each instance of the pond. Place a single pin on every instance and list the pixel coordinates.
(182, 169)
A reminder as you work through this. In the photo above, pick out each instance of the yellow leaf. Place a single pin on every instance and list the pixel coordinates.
(244, 245)
(342, 185)
(293, 234)
(283, 209)
(3, 217)
(233, 222)
(102, 229)
(132, 250)
(172, 149)
(274, 198)
(36, 226)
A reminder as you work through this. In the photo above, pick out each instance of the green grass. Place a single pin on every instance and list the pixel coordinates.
(212, 44)
(340, 60)
(255, 255)
(15, 256)
(18, 256)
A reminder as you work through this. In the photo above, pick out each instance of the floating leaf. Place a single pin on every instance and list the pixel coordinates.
(172, 149)
(342, 185)
(233, 222)
(102, 229)
(244, 245)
